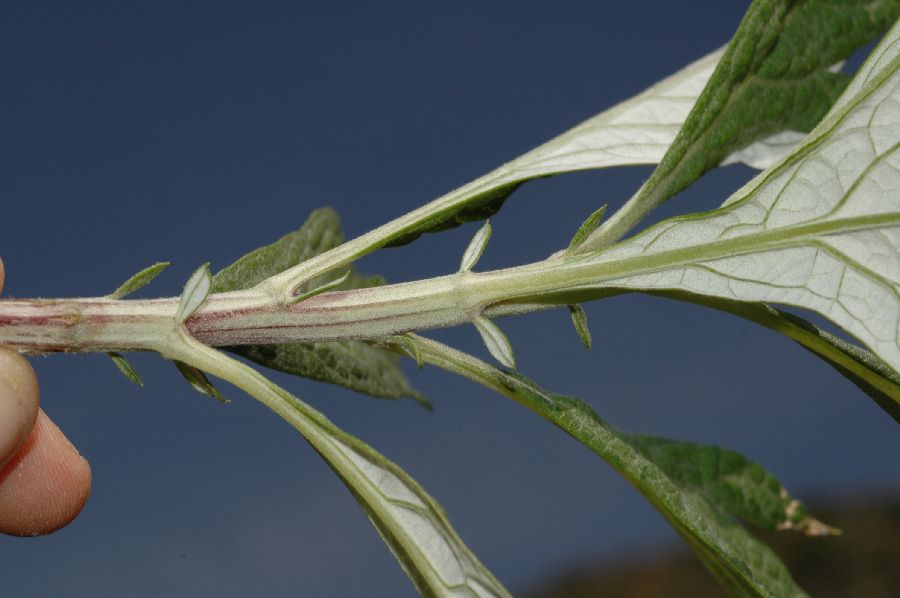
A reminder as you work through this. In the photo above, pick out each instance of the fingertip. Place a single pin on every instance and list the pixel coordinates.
(19, 398)
(44, 481)
(46, 484)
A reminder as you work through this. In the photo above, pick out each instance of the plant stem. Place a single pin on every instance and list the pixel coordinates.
(255, 316)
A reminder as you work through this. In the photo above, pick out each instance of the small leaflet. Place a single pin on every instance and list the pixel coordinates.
(139, 280)
(198, 380)
(126, 368)
(586, 228)
(476, 247)
(496, 342)
(579, 320)
(195, 292)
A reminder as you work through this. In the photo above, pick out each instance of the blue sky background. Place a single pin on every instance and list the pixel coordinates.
(194, 132)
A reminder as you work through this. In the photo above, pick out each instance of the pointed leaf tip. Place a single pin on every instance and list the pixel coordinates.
(409, 347)
(579, 320)
(586, 228)
(497, 343)
(126, 368)
(199, 382)
(195, 292)
(476, 247)
(139, 280)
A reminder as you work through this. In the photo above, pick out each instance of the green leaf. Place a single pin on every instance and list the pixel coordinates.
(321, 232)
(699, 489)
(587, 227)
(139, 280)
(775, 76)
(579, 320)
(820, 231)
(474, 202)
(731, 482)
(198, 381)
(196, 290)
(126, 368)
(352, 364)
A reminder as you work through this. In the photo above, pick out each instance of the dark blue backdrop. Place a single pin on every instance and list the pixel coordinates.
(193, 132)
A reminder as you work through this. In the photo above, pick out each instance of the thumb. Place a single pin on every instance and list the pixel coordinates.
(18, 403)
(44, 482)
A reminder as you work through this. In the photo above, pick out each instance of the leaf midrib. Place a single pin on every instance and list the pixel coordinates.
(806, 234)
